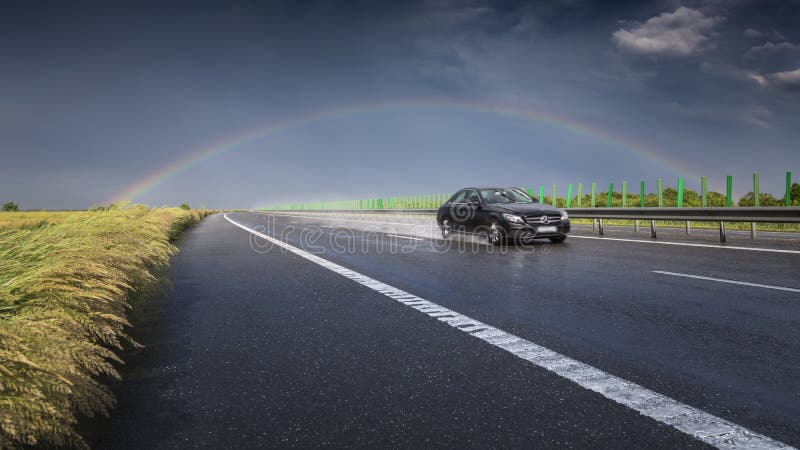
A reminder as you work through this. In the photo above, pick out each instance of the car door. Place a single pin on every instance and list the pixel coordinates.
(458, 210)
(482, 216)
(472, 211)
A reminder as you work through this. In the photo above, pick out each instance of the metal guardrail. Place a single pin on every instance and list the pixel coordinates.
(740, 214)
(721, 215)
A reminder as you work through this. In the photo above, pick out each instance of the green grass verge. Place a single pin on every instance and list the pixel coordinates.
(64, 290)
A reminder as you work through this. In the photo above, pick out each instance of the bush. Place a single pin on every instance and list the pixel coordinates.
(185, 206)
(763, 198)
(10, 206)
(794, 196)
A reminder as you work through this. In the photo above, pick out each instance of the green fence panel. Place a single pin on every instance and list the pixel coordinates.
(660, 183)
(530, 192)
(610, 194)
(553, 197)
(641, 194)
(704, 191)
(756, 190)
(541, 193)
(580, 194)
(594, 194)
(788, 195)
(729, 191)
(680, 192)
(624, 194)
(569, 196)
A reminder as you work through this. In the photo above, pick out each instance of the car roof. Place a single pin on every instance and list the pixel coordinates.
(489, 187)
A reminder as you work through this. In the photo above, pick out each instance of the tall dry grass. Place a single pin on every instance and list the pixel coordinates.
(64, 290)
(33, 219)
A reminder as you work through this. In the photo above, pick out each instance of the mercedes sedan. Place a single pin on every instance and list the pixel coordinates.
(501, 214)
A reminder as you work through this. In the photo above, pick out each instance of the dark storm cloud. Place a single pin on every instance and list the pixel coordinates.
(97, 95)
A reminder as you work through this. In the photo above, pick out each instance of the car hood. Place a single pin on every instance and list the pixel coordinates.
(525, 209)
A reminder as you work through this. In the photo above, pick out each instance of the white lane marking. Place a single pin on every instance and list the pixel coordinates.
(723, 280)
(406, 237)
(685, 244)
(692, 421)
(338, 219)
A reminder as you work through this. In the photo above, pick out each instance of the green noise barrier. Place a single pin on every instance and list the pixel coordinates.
(660, 197)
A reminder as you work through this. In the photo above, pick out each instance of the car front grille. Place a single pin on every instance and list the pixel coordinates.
(539, 219)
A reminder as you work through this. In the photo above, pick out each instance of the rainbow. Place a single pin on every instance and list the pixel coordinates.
(237, 140)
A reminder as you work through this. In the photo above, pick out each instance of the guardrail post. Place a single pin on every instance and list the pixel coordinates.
(680, 203)
(722, 236)
(728, 191)
(624, 194)
(704, 191)
(610, 193)
(600, 227)
(660, 193)
(788, 196)
(653, 229)
(569, 195)
(580, 194)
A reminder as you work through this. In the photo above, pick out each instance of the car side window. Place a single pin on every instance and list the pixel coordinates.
(472, 197)
(459, 197)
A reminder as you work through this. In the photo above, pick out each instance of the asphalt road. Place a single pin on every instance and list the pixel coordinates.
(255, 346)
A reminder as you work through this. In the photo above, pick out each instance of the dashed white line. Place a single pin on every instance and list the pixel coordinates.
(723, 280)
(339, 219)
(692, 421)
(406, 237)
(685, 244)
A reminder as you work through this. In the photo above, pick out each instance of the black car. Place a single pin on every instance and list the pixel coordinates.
(501, 214)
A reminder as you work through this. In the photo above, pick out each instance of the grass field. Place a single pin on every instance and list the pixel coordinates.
(65, 282)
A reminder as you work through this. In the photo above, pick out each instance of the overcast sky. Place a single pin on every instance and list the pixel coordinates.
(94, 97)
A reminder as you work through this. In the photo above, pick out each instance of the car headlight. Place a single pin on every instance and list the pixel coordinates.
(513, 218)
(564, 216)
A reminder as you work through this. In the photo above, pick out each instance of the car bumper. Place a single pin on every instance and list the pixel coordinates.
(527, 231)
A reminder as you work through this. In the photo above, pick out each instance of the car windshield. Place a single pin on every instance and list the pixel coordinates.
(491, 196)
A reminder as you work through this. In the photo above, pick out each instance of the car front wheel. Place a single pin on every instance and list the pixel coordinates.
(496, 234)
(447, 229)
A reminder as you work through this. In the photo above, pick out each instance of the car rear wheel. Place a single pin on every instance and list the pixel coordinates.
(496, 234)
(558, 239)
(447, 229)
